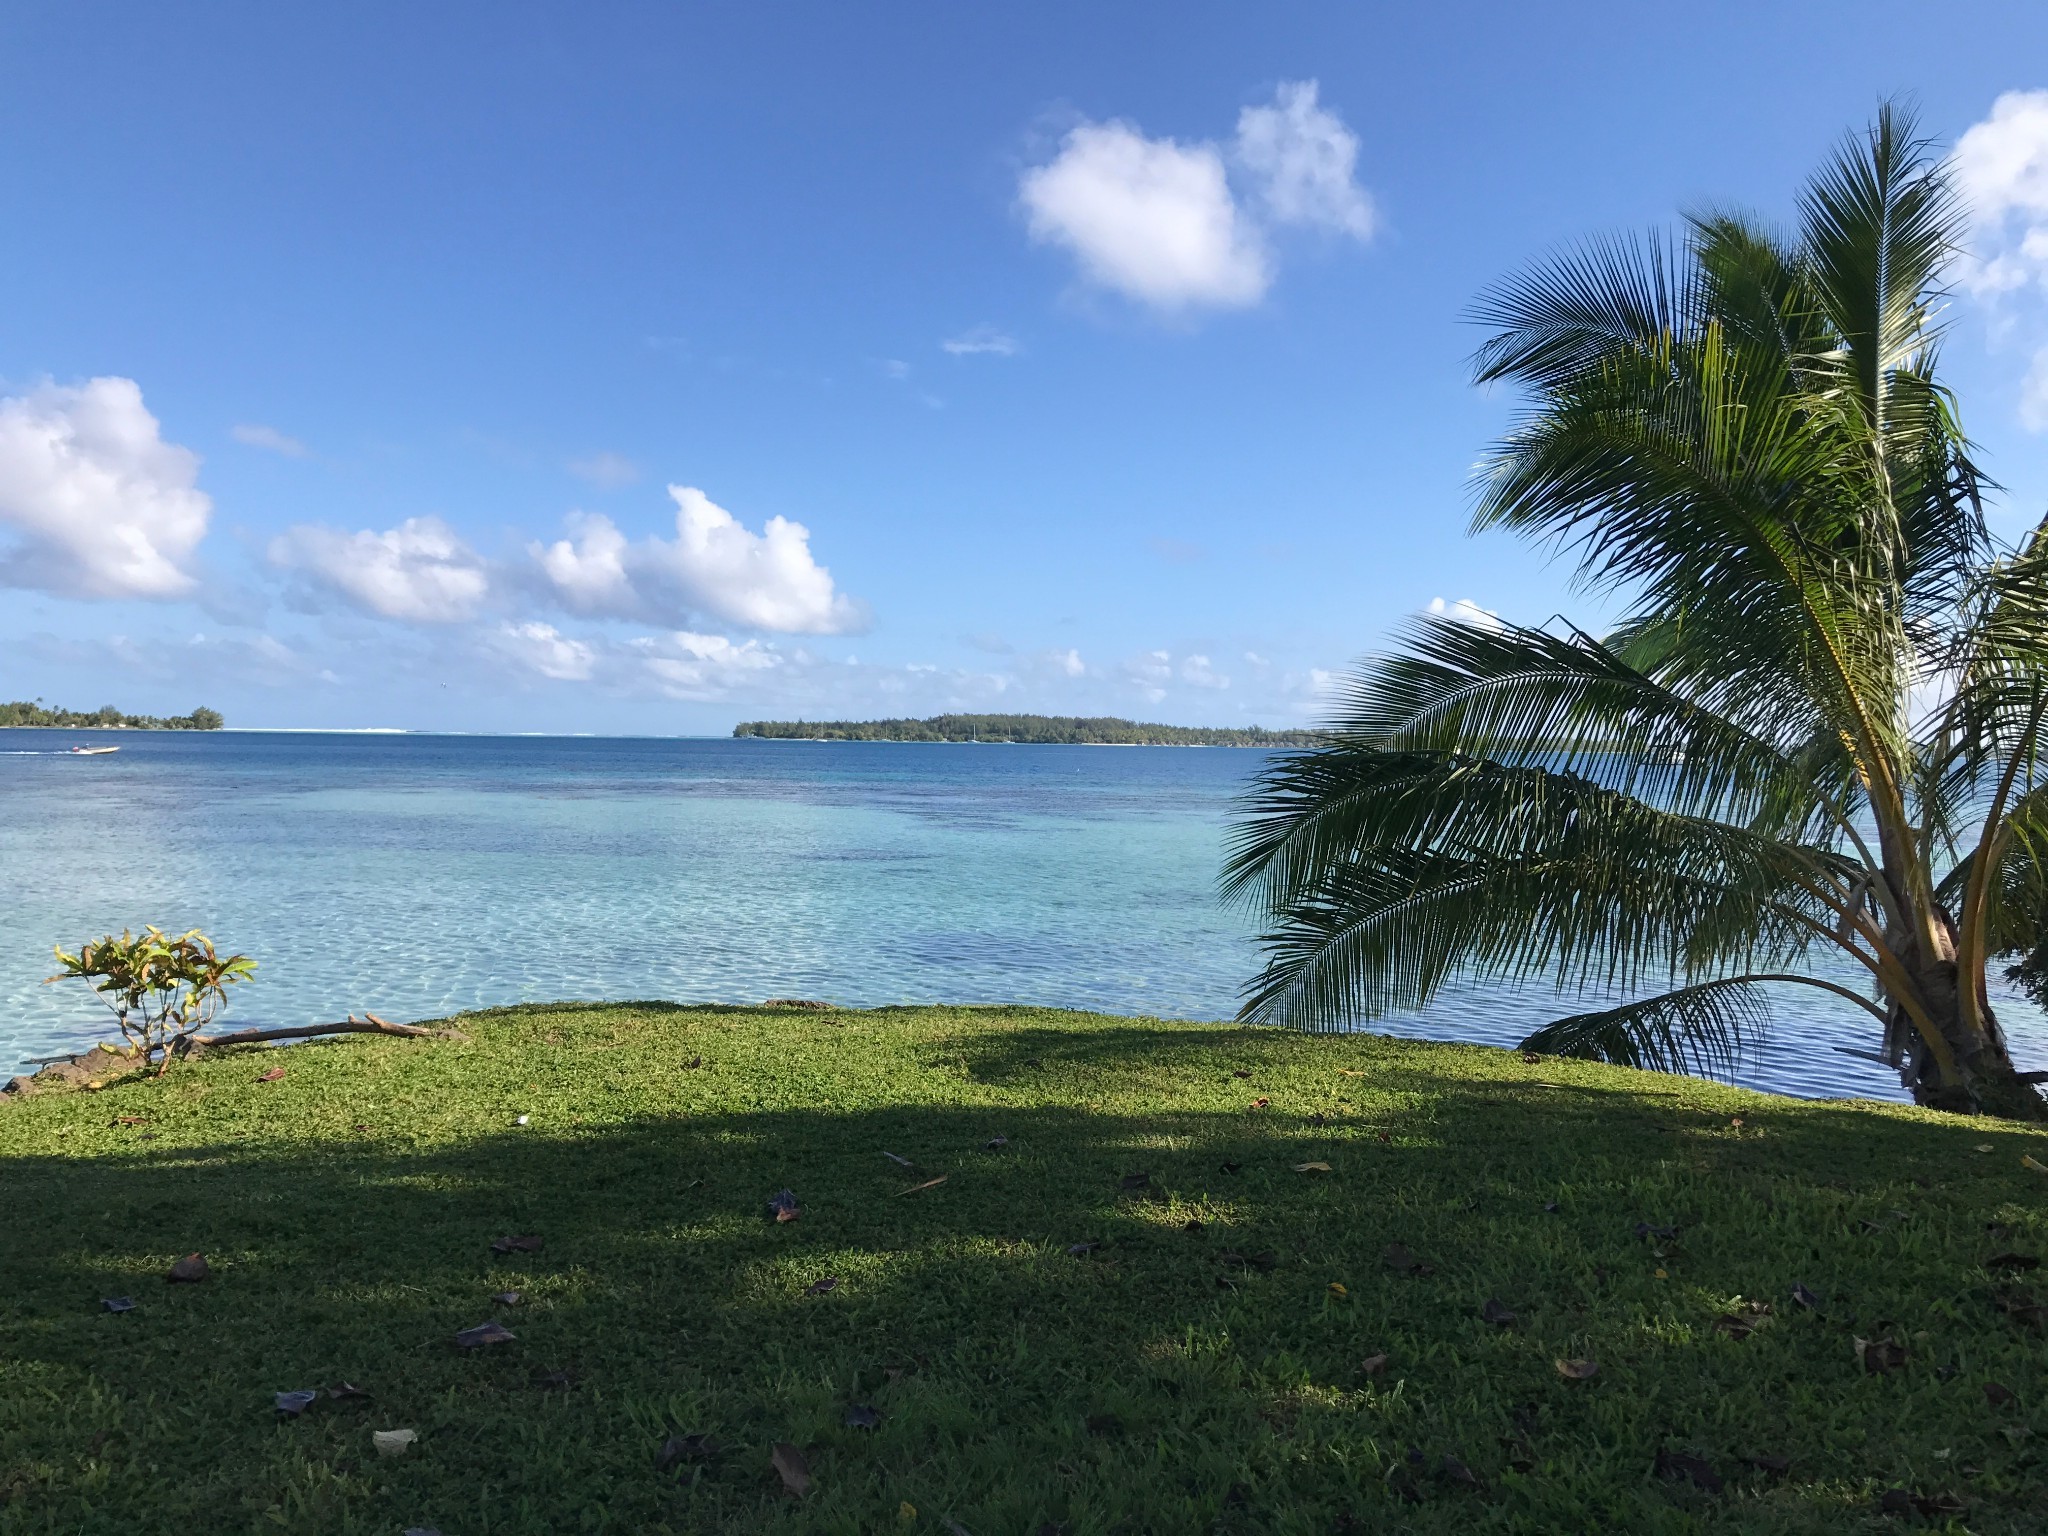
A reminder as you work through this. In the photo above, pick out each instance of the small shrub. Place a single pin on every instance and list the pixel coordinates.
(161, 991)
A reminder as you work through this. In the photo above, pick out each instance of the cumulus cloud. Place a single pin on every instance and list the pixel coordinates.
(254, 434)
(2001, 168)
(714, 567)
(1302, 163)
(606, 471)
(685, 665)
(99, 504)
(419, 572)
(543, 649)
(980, 341)
(1160, 221)
(1200, 673)
(1465, 611)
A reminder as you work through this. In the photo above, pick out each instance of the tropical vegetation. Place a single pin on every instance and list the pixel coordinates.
(1807, 755)
(1420, 1287)
(1054, 730)
(162, 991)
(25, 712)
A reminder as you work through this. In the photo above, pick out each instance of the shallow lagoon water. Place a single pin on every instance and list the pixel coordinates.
(417, 875)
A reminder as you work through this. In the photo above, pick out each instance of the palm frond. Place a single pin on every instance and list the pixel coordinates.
(1710, 1026)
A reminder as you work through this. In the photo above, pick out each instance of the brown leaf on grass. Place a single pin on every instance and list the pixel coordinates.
(1531, 1059)
(189, 1270)
(1384, 1135)
(901, 1162)
(272, 1075)
(693, 1063)
(782, 1206)
(1132, 1182)
(1733, 1326)
(292, 1404)
(1999, 1396)
(822, 1287)
(2028, 1162)
(1240, 1072)
(117, 1303)
(861, 1416)
(2013, 1261)
(1806, 1298)
(1577, 1370)
(1496, 1312)
(129, 1120)
(995, 1144)
(1194, 1228)
(1372, 1365)
(1228, 1167)
(1676, 1466)
(1263, 1261)
(1880, 1355)
(527, 1244)
(1082, 1250)
(791, 1467)
(1351, 1072)
(927, 1184)
(677, 1449)
(1260, 1103)
(1311, 1167)
(347, 1392)
(2018, 1303)
(484, 1333)
(507, 1298)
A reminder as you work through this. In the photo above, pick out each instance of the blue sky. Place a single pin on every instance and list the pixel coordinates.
(649, 367)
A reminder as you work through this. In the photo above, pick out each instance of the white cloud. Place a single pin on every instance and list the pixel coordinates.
(420, 571)
(1302, 160)
(1149, 218)
(2001, 169)
(1465, 611)
(1197, 671)
(1159, 221)
(980, 341)
(714, 567)
(254, 434)
(685, 665)
(606, 471)
(546, 650)
(895, 368)
(101, 505)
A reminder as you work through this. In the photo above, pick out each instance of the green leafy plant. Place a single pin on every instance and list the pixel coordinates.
(161, 991)
(1814, 740)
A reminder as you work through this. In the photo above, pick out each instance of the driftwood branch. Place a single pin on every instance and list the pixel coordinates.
(369, 1024)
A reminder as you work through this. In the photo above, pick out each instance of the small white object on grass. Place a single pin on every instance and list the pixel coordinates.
(523, 1120)
(392, 1442)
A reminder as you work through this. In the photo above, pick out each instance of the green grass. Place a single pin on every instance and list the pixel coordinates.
(348, 1211)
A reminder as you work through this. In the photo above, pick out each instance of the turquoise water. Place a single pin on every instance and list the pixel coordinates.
(416, 875)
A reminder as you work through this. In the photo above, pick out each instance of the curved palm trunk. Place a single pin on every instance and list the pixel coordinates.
(1986, 1080)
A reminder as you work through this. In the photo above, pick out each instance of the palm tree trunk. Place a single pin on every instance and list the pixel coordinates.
(1987, 1081)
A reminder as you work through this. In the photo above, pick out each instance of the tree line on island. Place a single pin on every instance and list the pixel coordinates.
(1029, 730)
(24, 712)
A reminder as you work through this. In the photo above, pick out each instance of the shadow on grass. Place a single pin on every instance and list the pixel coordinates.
(1150, 1382)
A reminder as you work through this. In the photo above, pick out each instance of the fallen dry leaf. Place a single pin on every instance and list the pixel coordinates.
(1577, 1370)
(507, 1298)
(1372, 1365)
(1311, 1167)
(1082, 1250)
(1984, 1146)
(1240, 1072)
(1880, 1355)
(927, 1184)
(1496, 1312)
(130, 1120)
(272, 1075)
(1402, 1262)
(901, 1162)
(1999, 1396)
(995, 1144)
(348, 1392)
(1384, 1135)
(1350, 1072)
(1228, 1167)
(1457, 1472)
(1260, 1103)
(1193, 1227)
(1776, 1466)
(791, 1467)
(1338, 1291)
(292, 1404)
(1806, 1298)
(2028, 1162)
(1733, 1326)
(1134, 1181)
(117, 1304)
(782, 1206)
(189, 1270)
(861, 1416)
(1531, 1059)
(693, 1063)
(2012, 1261)
(822, 1287)
(484, 1333)
(528, 1244)
(392, 1442)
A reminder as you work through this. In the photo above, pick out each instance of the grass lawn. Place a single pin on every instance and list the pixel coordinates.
(1209, 1364)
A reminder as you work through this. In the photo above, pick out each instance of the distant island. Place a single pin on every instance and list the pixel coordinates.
(23, 713)
(1030, 730)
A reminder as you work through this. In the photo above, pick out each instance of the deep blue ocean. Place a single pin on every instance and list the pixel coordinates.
(416, 875)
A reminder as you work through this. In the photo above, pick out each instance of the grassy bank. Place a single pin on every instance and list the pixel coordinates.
(1169, 1379)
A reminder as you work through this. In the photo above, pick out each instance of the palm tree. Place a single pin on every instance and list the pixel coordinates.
(1815, 734)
